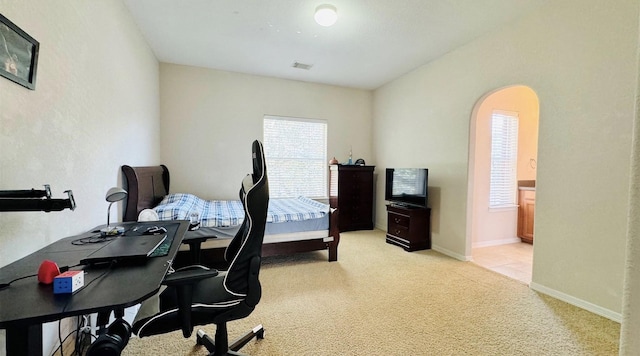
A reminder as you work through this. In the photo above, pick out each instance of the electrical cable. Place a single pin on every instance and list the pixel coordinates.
(5, 285)
(81, 343)
(62, 269)
(87, 345)
(93, 239)
(69, 300)
(99, 238)
(61, 340)
(79, 326)
(108, 269)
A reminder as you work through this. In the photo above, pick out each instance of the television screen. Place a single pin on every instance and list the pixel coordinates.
(407, 186)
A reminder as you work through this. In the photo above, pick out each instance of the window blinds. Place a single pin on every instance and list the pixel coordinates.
(295, 152)
(504, 155)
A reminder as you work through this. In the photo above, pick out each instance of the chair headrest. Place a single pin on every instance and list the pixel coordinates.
(259, 167)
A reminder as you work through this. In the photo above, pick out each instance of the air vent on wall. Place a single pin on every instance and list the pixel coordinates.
(301, 65)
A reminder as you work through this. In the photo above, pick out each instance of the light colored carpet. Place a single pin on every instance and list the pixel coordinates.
(380, 300)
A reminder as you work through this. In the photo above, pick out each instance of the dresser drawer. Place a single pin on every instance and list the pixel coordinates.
(398, 230)
(408, 227)
(397, 219)
(351, 191)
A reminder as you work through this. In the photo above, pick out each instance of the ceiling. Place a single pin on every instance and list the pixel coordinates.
(373, 41)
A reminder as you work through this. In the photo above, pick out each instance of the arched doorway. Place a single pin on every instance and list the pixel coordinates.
(492, 232)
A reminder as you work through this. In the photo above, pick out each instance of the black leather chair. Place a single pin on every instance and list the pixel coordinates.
(196, 295)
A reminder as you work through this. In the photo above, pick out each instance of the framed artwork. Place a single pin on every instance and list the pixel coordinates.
(18, 54)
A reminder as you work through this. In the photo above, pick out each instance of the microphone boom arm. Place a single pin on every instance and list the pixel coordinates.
(34, 200)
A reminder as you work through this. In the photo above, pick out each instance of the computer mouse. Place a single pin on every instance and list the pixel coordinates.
(154, 230)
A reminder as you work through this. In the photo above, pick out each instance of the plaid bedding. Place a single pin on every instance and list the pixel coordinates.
(223, 213)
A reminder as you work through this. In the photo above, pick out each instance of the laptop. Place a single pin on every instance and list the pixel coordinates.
(125, 250)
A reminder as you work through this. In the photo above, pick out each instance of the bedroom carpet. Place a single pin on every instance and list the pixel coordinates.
(380, 300)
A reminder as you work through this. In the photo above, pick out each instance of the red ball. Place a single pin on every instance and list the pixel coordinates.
(47, 272)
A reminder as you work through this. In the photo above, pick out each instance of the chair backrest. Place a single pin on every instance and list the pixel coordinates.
(244, 251)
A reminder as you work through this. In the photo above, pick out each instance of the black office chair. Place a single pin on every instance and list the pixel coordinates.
(196, 295)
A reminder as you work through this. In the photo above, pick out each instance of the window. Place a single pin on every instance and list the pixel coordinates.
(296, 154)
(504, 156)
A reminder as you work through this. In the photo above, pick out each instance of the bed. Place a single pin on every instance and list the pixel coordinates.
(148, 187)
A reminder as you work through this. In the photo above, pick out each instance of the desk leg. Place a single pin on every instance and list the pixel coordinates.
(24, 340)
(194, 251)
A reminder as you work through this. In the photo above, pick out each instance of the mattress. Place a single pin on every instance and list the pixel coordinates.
(293, 219)
(274, 232)
(226, 213)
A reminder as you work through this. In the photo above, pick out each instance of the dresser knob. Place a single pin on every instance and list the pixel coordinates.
(397, 220)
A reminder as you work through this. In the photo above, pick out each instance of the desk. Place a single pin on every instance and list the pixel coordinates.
(26, 304)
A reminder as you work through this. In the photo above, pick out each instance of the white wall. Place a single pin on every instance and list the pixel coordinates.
(95, 107)
(209, 119)
(629, 341)
(580, 58)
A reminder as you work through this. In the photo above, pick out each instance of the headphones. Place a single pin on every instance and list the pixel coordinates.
(113, 341)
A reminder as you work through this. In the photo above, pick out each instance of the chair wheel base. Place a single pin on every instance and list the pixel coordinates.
(203, 339)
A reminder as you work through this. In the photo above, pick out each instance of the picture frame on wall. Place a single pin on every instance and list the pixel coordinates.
(18, 54)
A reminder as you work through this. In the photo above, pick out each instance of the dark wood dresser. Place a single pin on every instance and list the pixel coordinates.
(409, 227)
(351, 192)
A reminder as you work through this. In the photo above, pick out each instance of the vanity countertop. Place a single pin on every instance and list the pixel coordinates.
(527, 185)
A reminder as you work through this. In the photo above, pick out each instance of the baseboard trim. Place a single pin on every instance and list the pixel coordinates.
(451, 254)
(609, 314)
(511, 240)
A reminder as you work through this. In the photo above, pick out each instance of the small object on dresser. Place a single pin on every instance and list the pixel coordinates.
(333, 161)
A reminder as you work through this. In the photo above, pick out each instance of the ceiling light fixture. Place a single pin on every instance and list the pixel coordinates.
(326, 15)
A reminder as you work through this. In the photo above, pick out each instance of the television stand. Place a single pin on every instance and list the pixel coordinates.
(403, 206)
(409, 227)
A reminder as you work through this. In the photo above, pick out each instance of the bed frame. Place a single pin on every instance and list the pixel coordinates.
(146, 186)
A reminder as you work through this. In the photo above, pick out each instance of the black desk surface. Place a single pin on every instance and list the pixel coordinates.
(27, 302)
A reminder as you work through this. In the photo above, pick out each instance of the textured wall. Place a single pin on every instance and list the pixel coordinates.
(629, 341)
(210, 117)
(580, 58)
(95, 108)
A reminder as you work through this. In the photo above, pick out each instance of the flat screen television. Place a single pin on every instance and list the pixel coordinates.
(407, 186)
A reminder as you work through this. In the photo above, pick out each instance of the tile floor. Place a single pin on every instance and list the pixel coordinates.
(512, 260)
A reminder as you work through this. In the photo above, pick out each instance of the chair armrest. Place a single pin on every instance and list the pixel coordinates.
(183, 281)
(195, 243)
(189, 276)
(197, 240)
